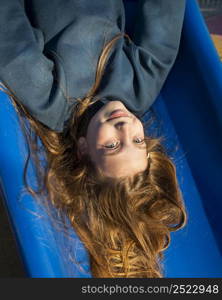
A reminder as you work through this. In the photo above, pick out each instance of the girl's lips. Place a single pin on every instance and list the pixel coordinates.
(117, 113)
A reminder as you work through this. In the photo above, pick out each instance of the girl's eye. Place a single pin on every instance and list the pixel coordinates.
(139, 140)
(112, 145)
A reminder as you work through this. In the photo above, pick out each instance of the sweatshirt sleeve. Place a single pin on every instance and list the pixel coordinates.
(156, 37)
(24, 69)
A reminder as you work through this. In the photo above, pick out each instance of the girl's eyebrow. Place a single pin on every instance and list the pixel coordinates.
(120, 149)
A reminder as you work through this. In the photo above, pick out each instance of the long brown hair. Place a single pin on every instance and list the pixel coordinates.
(124, 223)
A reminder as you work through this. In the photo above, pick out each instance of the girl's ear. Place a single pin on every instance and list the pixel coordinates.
(82, 146)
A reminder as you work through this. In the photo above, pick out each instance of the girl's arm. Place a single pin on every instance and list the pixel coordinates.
(23, 67)
(157, 36)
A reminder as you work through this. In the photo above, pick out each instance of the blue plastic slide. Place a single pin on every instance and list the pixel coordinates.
(190, 112)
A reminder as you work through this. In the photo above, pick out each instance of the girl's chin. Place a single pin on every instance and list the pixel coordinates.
(114, 105)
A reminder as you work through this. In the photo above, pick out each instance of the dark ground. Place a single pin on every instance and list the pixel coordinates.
(10, 262)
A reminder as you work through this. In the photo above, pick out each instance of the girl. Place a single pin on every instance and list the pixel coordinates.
(84, 86)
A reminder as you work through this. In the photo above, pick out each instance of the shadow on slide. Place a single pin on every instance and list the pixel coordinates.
(190, 112)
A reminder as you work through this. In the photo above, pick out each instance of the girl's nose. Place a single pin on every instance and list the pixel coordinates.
(120, 125)
(125, 131)
(123, 123)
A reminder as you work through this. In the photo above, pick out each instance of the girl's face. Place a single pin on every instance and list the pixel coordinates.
(115, 141)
